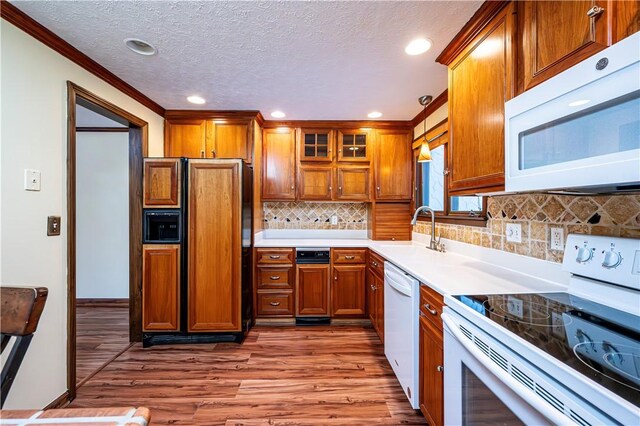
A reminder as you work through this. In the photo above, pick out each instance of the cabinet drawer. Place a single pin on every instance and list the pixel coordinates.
(376, 264)
(275, 304)
(275, 277)
(274, 255)
(431, 303)
(349, 255)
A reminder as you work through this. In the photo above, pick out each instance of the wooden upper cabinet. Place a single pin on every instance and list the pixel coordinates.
(558, 34)
(353, 145)
(315, 183)
(278, 165)
(312, 290)
(626, 19)
(348, 290)
(229, 140)
(161, 287)
(162, 182)
(214, 246)
(353, 184)
(481, 80)
(317, 145)
(185, 138)
(392, 166)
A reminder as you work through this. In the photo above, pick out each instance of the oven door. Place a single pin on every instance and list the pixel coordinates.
(478, 390)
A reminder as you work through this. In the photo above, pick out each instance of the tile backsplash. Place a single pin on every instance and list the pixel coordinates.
(615, 215)
(308, 215)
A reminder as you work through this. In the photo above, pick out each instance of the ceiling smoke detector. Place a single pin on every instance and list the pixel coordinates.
(140, 47)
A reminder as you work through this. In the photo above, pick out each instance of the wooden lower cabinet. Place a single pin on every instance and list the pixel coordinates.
(275, 304)
(375, 293)
(215, 249)
(348, 290)
(312, 290)
(431, 372)
(161, 287)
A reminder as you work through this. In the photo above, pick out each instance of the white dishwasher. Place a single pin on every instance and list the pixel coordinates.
(401, 328)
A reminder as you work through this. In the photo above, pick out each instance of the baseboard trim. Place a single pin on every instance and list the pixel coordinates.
(103, 303)
(59, 402)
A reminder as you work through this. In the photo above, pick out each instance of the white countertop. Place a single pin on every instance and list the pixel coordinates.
(463, 269)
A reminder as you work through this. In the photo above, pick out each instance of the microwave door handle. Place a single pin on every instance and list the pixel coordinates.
(539, 404)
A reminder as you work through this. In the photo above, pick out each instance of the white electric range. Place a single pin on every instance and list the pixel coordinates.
(551, 358)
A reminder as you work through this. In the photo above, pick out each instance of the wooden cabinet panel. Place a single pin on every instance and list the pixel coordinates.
(275, 304)
(267, 256)
(354, 146)
(376, 263)
(480, 82)
(354, 255)
(275, 277)
(312, 290)
(393, 165)
(558, 34)
(215, 246)
(379, 316)
(390, 221)
(278, 165)
(162, 182)
(348, 290)
(228, 140)
(375, 292)
(626, 19)
(315, 183)
(353, 184)
(370, 294)
(185, 138)
(316, 145)
(431, 373)
(431, 303)
(161, 287)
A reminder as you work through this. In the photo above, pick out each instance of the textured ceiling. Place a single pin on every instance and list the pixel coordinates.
(312, 60)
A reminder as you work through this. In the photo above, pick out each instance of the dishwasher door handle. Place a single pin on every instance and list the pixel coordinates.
(400, 287)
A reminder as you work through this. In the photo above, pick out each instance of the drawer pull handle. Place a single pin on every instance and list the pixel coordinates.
(428, 308)
(349, 257)
(440, 368)
(273, 256)
(274, 277)
(274, 303)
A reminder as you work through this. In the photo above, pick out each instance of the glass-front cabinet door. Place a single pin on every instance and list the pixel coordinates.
(316, 145)
(353, 145)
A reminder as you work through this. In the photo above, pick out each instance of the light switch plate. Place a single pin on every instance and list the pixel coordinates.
(53, 225)
(32, 180)
(514, 232)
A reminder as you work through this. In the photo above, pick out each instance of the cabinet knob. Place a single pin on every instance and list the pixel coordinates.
(378, 188)
(440, 368)
(340, 188)
(202, 154)
(335, 278)
(329, 188)
(595, 11)
(292, 187)
(213, 153)
(274, 277)
(274, 303)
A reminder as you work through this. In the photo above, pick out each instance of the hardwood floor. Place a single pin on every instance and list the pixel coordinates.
(102, 333)
(279, 376)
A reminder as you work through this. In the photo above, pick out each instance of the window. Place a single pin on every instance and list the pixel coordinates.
(431, 185)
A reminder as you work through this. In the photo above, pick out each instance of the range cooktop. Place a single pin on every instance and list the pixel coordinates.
(597, 341)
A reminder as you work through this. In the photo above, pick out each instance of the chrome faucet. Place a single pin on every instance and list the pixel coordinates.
(433, 244)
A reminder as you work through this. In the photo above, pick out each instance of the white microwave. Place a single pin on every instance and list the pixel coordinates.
(580, 130)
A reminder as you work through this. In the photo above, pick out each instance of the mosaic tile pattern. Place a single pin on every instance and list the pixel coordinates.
(306, 215)
(612, 215)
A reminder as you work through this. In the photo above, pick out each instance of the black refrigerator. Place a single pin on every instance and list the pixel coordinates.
(197, 250)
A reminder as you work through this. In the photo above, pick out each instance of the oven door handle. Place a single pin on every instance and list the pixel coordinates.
(539, 404)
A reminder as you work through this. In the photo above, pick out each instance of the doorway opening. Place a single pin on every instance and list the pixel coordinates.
(106, 145)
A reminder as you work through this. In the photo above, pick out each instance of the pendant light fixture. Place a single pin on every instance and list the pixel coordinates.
(425, 152)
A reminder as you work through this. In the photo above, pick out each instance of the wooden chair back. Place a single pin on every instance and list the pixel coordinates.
(20, 310)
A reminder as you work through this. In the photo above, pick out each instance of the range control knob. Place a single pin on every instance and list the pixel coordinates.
(611, 259)
(584, 255)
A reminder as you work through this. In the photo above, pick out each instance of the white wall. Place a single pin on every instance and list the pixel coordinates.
(33, 94)
(102, 215)
(433, 119)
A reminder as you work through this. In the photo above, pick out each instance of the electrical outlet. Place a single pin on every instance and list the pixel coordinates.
(557, 239)
(334, 219)
(514, 232)
(514, 306)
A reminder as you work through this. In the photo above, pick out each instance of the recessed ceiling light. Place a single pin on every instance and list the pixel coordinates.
(278, 114)
(141, 47)
(374, 114)
(579, 102)
(418, 46)
(196, 99)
